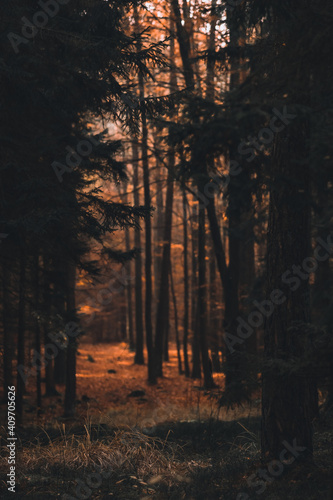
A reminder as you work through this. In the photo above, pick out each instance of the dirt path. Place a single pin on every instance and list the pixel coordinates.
(104, 396)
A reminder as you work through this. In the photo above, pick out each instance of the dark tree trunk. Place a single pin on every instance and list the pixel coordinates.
(129, 296)
(20, 389)
(286, 408)
(8, 350)
(50, 389)
(184, 44)
(186, 288)
(158, 219)
(148, 253)
(162, 316)
(139, 358)
(179, 356)
(60, 367)
(214, 325)
(202, 302)
(233, 369)
(162, 312)
(70, 392)
(167, 330)
(247, 266)
(213, 309)
(36, 271)
(59, 307)
(196, 367)
(123, 315)
(322, 289)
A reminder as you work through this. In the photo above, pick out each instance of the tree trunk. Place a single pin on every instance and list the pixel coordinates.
(179, 356)
(161, 316)
(286, 412)
(129, 309)
(167, 330)
(148, 263)
(186, 288)
(213, 310)
(8, 350)
(50, 389)
(158, 218)
(202, 302)
(36, 272)
(20, 389)
(214, 325)
(139, 358)
(196, 368)
(59, 308)
(70, 392)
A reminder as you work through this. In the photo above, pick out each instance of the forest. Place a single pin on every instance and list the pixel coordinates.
(166, 249)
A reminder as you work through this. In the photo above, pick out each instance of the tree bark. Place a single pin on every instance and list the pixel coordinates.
(8, 351)
(129, 308)
(179, 356)
(59, 308)
(70, 392)
(202, 302)
(161, 317)
(148, 253)
(20, 389)
(196, 367)
(286, 411)
(139, 357)
(50, 389)
(186, 288)
(36, 271)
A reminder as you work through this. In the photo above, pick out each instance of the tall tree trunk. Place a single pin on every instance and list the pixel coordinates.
(70, 392)
(202, 302)
(286, 411)
(158, 218)
(213, 311)
(162, 317)
(129, 296)
(8, 350)
(184, 44)
(59, 308)
(36, 272)
(179, 356)
(167, 331)
(214, 325)
(196, 367)
(233, 369)
(50, 389)
(139, 357)
(322, 289)
(148, 253)
(123, 315)
(186, 288)
(21, 334)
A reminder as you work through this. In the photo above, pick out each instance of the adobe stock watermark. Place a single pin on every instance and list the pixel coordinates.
(40, 19)
(74, 157)
(248, 148)
(293, 278)
(274, 469)
(51, 351)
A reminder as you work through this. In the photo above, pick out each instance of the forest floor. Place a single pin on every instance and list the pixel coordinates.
(168, 441)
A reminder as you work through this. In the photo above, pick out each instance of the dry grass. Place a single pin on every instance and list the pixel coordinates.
(138, 461)
(183, 461)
